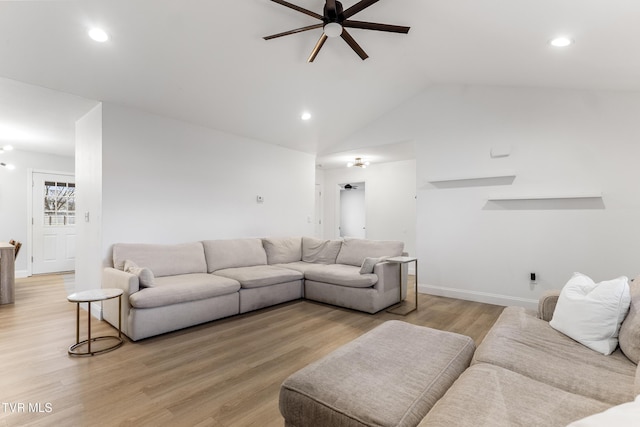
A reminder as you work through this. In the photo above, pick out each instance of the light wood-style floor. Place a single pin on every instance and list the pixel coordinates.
(224, 373)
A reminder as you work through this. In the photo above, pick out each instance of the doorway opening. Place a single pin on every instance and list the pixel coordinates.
(53, 220)
(353, 213)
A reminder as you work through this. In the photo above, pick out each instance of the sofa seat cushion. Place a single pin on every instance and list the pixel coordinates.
(522, 343)
(183, 288)
(490, 396)
(343, 275)
(300, 266)
(260, 275)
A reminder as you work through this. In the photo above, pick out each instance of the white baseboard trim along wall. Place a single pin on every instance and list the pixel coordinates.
(483, 297)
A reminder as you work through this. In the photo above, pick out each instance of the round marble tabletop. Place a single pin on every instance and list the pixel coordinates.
(95, 295)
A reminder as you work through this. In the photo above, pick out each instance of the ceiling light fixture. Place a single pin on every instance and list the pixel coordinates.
(6, 148)
(98, 35)
(333, 29)
(358, 163)
(305, 116)
(8, 166)
(561, 42)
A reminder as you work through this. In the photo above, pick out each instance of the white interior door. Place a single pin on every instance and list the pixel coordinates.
(353, 211)
(53, 222)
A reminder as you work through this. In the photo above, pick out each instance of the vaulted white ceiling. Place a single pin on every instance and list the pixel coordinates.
(205, 62)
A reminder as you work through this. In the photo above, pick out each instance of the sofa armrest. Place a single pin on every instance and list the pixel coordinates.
(547, 304)
(388, 277)
(113, 278)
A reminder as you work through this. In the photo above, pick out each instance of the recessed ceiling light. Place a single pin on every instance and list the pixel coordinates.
(561, 42)
(305, 116)
(98, 35)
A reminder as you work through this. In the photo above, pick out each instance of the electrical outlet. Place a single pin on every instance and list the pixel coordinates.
(532, 278)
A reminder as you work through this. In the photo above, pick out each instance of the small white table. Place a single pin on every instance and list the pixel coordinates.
(89, 297)
(401, 260)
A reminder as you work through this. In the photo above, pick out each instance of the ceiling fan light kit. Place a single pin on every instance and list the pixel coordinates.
(334, 21)
(358, 163)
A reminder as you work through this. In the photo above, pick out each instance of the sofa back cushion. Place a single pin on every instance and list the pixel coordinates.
(629, 337)
(320, 251)
(354, 251)
(234, 253)
(281, 250)
(162, 260)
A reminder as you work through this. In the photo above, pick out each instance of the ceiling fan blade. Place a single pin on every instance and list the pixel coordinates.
(297, 30)
(375, 26)
(358, 7)
(298, 8)
(355, 46)
(316, 49)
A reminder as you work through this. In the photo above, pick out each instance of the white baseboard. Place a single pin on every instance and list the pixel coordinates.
(96, 309)
(21, 274)
(484, 297)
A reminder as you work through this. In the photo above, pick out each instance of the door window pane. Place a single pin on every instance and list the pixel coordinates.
(59, 203)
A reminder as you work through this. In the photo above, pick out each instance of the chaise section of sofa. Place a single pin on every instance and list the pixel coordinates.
(182, 293)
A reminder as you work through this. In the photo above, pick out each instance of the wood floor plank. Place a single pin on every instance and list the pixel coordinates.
(225, 373)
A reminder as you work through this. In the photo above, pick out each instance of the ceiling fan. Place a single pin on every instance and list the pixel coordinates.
(334, 21)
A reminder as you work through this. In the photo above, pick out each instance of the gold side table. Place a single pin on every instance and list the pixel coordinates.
(401, 260)
(89, 297)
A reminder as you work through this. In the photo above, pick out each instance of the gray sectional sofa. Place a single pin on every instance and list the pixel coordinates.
(170, 287)
(525, 373)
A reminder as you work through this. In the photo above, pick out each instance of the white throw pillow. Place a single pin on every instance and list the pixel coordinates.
(625, 415)
(145, 276)
(591, 313)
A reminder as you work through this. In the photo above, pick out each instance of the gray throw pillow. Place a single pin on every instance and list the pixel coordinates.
(145, 276)
(369, 263)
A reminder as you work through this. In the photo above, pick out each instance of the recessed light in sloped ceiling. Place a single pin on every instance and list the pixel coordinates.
(561, 41)
(98, 34)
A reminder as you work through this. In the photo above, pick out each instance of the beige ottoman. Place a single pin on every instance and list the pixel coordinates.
(390, 376)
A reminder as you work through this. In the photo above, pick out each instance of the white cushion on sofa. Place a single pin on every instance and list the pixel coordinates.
(282, 249)
(320, 251)
(625, 415)
(591, 313)
(354, 251)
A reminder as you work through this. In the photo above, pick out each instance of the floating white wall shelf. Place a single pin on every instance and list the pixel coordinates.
(593, 195)
(495, 176)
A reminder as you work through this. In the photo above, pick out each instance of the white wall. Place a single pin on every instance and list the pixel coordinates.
(390, 200)
(562, 142)
(14, 221)
(167, 181)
